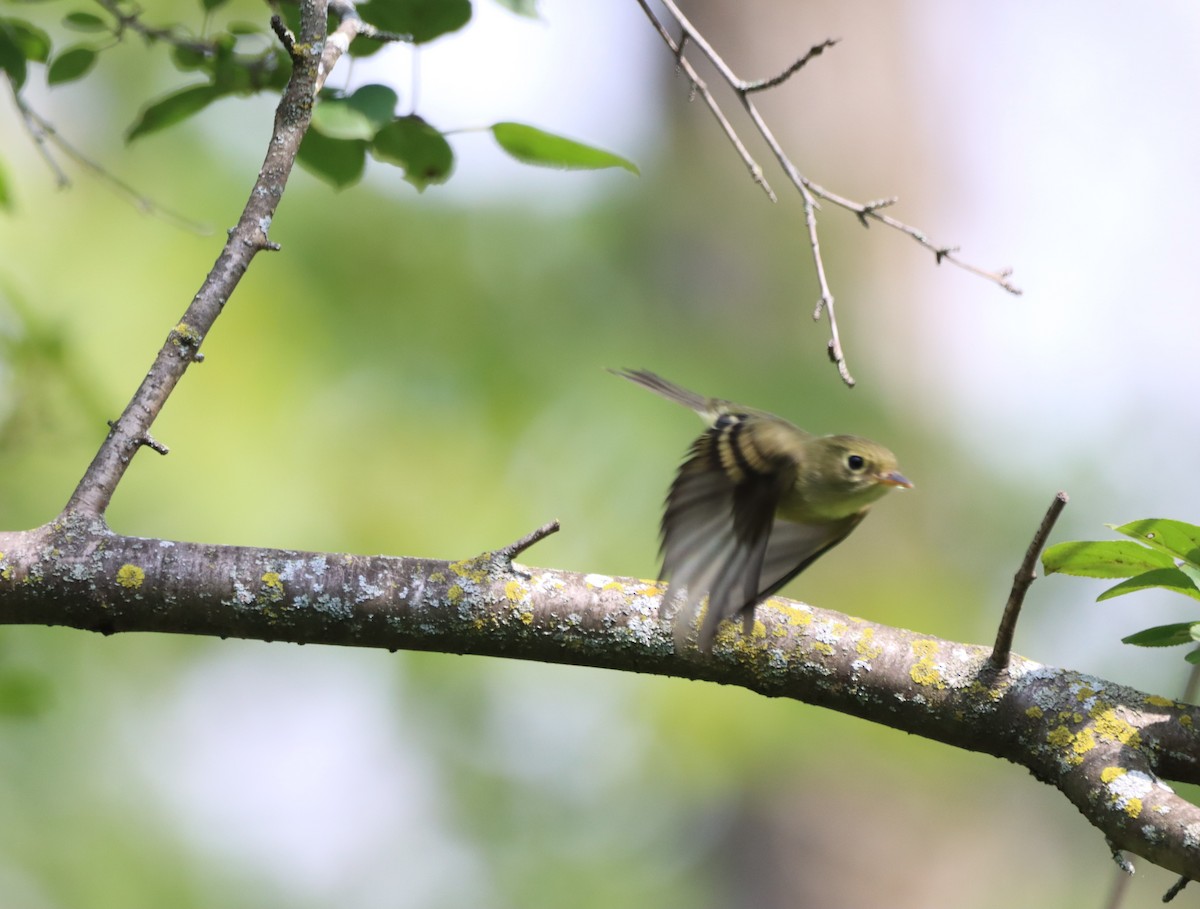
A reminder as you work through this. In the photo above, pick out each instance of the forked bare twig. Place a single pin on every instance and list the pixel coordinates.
(811, 193)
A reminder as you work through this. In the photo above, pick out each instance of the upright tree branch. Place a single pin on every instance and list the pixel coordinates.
(292, 116)
(1026, 574)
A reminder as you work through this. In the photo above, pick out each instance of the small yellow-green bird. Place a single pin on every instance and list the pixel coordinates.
(757, 501)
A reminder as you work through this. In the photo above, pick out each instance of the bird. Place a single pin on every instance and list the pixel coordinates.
(755, 502)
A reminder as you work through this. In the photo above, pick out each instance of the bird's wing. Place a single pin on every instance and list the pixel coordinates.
(793, 547)
(717, 525)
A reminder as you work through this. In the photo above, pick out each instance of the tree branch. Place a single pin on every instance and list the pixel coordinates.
(809, 191)
(1026, 575)
(1105, 746)
(292, 116)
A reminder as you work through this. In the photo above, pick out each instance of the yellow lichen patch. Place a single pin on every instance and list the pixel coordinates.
(1084, 693)
(1059, 737)
(515, 591)
(823, 647)
(187, 334)
(1133, 807)
(271, 579)
(455, 594)
(653, 590)
(866, 646)
(1185, 721)
(1084, 742)
(1111, 727)
(527, 617)
(794, 616)
(925, 670)
(1034, 713)
(614, 585)
(130, 576)
(1108, 774)
(470, 569)
(1155, 700)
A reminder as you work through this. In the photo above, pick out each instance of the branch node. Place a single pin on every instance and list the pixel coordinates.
(872, 207)
(1119, 857)
(1176, 889)
(153, 444)
(284, 34)
(943, 252)
(1025, 576)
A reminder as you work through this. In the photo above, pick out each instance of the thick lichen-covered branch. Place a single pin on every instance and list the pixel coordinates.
(1108, 748)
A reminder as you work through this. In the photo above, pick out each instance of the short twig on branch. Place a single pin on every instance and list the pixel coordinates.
(809, 191)
(1175, 889)
(1025, 576)
(515, 548)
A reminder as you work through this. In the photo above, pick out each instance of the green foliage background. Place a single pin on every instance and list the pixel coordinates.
(414, 376)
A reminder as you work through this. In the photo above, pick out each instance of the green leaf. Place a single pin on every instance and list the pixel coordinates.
(85, 22)
(1193, 657)
(71, 64)
(187, 58)
(534, 146)
(1166, 578)
(364, 47)
(31, 41)
(210, 5)
(1105, 559)
(526, 8)
(418, 148)
(5, 196)
(359, 116)
(339, 162)
(1176, 538)
(424, 20)
(173, 109)
(1191, 571)
(1165, 635)
(12, 59)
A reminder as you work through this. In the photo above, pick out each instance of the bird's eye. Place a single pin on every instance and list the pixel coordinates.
(855, 463)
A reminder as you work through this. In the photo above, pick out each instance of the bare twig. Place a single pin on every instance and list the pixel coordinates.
(1175, 889)
(515, 548)
(44, 134)
(809, 191)
(1025, 576)
(814, 51)
(132, 21)
(698, 85)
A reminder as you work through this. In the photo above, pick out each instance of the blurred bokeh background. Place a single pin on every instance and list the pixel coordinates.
(423, 374)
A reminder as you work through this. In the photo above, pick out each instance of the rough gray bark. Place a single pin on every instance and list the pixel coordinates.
(1105, 746)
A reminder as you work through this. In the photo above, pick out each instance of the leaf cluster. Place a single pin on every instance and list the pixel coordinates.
(242, 59)
(1166, 555)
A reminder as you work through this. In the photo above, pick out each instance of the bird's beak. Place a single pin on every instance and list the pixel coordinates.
(895, 478)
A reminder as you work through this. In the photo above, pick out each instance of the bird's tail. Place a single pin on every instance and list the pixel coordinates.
(706, 407)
